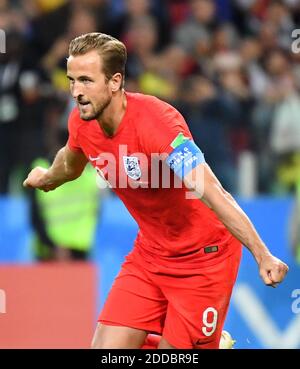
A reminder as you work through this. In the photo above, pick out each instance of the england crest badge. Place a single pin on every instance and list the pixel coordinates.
(132, 167)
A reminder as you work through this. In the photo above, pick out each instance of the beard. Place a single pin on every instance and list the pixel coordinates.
(93, 112)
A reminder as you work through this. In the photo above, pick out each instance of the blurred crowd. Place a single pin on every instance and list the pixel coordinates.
(227, 65)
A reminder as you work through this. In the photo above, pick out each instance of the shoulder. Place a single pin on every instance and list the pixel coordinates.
(157, 123)
(152, 107)
(146, 101)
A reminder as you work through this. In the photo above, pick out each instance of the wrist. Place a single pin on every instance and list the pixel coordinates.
(260, 252)
(51, 180)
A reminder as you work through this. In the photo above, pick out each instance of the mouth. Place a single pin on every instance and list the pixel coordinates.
(83, 103)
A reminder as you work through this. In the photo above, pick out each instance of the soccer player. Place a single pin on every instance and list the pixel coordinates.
(177, 280)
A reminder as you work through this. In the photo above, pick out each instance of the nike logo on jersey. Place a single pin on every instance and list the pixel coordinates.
(95, 158)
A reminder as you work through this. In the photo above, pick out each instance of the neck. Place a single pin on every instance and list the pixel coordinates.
(112, 116)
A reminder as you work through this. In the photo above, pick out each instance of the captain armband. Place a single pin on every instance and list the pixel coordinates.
(184, 158)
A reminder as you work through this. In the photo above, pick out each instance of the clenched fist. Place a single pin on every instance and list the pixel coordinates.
(272, 270)
(38, 178)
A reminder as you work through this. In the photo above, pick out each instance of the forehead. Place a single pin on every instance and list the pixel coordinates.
(86, 63)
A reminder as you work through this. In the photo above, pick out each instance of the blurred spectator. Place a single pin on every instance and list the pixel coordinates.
(224, 38)
(164, 78)
(276, 119)
(138, 9)
(285, 135)
(195, 33)
(143, 40)
(54, 61)
(39, 108)
(295, 225)
(277, 15)
(11, 66)
(285, 130)
(234, 86)
(50, 27)
(178, 11)
(209, 115)
(64, 220)
(251, 53)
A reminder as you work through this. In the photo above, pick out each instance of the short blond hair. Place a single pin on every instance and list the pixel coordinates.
(112, 51)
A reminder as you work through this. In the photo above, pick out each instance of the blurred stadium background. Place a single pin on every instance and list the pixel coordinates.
(229, 66)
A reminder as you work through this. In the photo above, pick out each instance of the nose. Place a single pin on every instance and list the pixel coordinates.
(76, 90)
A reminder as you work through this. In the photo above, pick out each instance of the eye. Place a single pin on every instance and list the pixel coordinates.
(85, 80)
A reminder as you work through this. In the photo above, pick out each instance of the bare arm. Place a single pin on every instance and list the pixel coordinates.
(211, 192)
(67, 166)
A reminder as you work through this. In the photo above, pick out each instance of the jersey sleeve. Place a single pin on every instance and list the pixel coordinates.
(73, 132)
(169, 135)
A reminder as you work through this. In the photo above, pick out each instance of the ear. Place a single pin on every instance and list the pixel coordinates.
(116, 82)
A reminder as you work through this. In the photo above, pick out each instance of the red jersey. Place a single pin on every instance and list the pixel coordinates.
(170, 224)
